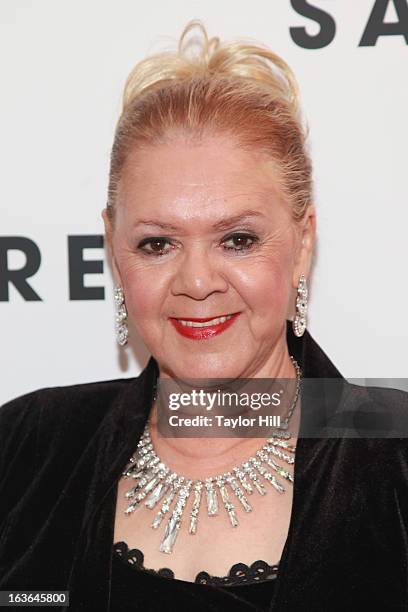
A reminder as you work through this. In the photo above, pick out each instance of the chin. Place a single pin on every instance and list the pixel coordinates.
(204, 367)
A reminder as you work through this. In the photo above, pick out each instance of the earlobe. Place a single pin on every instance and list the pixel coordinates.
(309, 230)
(106, 221)
(109, 245)
(108, 229)
(306, 247)
(115, 271)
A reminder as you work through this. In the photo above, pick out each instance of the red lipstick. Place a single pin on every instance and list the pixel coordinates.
(205, 332)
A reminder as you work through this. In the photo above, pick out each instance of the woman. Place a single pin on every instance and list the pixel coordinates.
(211, 229)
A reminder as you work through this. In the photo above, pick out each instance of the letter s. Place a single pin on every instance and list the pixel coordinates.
(326, 22)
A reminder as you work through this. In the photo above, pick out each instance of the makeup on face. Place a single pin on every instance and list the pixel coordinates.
(204, 248)
(200, 328)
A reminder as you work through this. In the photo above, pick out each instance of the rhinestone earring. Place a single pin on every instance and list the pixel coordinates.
(299, 322)
(122, 331)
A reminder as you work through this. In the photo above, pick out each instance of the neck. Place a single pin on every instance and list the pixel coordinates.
(208, 456)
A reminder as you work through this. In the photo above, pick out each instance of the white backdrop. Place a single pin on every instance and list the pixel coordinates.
(63, 66)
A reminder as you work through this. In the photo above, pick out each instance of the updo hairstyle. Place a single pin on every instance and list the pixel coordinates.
(208, 88)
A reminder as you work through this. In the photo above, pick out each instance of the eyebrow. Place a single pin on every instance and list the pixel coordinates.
(219, 225)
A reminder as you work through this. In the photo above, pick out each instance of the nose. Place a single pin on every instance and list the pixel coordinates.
(198, 275)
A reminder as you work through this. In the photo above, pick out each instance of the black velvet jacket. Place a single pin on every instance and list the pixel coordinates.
(62, 451)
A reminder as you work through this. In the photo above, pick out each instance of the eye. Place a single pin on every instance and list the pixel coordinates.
(155, 246)
(158, 246)
(240, 242)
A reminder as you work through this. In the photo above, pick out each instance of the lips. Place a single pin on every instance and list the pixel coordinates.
(201, 319)
(202, 328)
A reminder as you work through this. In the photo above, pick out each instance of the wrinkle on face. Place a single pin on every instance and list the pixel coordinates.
(192, 189)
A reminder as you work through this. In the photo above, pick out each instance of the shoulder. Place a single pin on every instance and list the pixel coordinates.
(379, 417)
(377, 408)
(85, 397)
(43, 435)
(58, 411)
(371, 421)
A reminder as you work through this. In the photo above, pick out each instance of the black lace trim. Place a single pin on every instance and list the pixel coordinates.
(259, 571)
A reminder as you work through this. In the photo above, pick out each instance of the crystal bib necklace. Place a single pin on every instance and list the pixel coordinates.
(155, 481)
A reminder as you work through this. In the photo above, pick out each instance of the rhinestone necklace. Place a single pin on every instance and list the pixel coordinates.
(154, 477)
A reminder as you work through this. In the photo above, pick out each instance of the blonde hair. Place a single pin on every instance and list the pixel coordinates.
(238, 88)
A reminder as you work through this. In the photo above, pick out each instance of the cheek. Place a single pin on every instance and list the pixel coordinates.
(267, 293)
(266, 287)
(263, 285)
(145, 291)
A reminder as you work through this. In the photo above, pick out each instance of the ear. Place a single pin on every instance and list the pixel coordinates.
(109, 244)
(306, 237)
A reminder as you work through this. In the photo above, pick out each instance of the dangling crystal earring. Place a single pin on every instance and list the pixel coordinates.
(299, 322)
(122, 331)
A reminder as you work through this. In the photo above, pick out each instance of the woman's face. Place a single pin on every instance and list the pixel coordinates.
(201, 232)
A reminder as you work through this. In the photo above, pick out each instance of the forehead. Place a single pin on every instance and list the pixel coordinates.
(182, 180)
